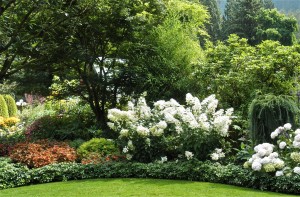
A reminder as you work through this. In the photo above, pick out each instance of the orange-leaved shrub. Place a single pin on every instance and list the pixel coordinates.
(42, 152)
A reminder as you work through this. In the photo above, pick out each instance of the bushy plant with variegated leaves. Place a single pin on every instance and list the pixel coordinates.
(170, 130)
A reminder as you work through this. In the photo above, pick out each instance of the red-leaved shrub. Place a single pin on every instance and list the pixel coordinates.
(42, 152)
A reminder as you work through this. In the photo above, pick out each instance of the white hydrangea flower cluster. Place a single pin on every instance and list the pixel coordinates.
(189, 155)
(217, 154)
(288, 150)
(140, 120)
(265, 159)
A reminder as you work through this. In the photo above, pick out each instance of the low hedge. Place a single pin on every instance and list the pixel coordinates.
(17, 175)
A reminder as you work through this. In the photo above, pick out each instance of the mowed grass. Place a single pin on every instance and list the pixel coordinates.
(133, 187)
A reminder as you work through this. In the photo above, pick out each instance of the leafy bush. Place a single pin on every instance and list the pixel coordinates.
(187, 170)
(101, 146)
(57, 127)
(13, 175)
(32, 113)
(3, 107)
(42, 153)
(11, 106)
(170, 129)
(282, 158)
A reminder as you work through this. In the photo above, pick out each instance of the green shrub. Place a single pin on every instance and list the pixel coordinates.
(3, 107)
(11, 106)
(76, 143)
(267, 112)
(100, 146)
(13, 175)
(58, 128)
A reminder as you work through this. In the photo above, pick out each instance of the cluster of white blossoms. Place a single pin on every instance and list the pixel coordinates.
(140, 120)
(189, 155)
(288, 150)
(265, 159)
(218, 154)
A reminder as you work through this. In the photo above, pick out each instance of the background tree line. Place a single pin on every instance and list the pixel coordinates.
(109, 51)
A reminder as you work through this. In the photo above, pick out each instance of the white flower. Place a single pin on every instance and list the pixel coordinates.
(130, 145)
(297, 131)
(265, 160)
(256, 166)
(273, 155)
(297, 170)
(214, 156)
(130, 105)
(111, 125)
(274, 134)
(296, 144)
(124, 133)
(189, 155)
(142, 131)
(125, 149)
(297, 138)
(162, 125)
(218, 150)
(282, 145)
(189, 99)
(164, 159)
(287, 126)
(279, 173)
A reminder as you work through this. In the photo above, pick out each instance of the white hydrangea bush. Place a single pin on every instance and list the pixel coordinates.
(170, 129)
(283, 158)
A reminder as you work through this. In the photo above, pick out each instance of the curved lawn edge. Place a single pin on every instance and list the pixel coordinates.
(134, 187)
(188, 170)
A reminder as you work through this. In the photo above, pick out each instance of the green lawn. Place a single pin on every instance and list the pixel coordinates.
(132, 187)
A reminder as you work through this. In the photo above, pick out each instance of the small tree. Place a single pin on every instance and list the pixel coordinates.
(3, 107)
(268, 112)
(11, 106)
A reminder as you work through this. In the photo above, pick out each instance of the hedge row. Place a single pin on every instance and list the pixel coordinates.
(14, 175)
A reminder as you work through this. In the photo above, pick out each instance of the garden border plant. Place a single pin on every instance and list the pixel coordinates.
(13, 175)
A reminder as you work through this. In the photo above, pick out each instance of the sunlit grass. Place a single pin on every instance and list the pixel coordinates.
(133, 187)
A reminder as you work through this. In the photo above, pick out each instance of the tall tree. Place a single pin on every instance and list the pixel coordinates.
(239, 18)
(273, 25)
(214, 26)
(268, 4)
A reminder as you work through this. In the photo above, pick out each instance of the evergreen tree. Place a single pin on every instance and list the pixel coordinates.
(214, 27)
(11, 106)
(3, 107)
(240, 18)
(268, 4)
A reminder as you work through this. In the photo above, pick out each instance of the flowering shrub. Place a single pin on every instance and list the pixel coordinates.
(170, 129)
(283, 158)
(41, 153)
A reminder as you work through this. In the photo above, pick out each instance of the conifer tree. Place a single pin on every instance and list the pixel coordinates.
(240, 18)
(11, 106)
(214, 26)
(3, 107)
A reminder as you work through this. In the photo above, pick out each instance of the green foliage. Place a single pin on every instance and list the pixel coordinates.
(213, 27)
(267, 112)
(3, 107)
(194, 171)
(100, 146)
(11, 106)
(236, 72)
(272, 25)
(239, 18)
(13, 175)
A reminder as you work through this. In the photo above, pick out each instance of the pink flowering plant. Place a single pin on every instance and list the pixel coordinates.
(170, 130)
(282, 157)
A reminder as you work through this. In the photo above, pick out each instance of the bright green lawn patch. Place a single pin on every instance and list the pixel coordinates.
(133, 187)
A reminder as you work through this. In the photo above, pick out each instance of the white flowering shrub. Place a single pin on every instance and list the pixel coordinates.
(170, 129)
(283, 158)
